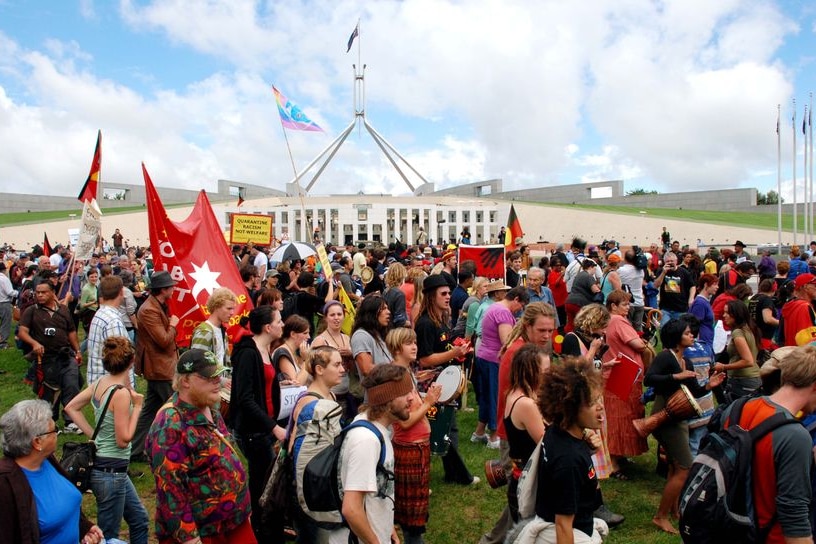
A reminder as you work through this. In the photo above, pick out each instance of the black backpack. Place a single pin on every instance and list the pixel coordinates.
(290, 306)
(321, 477)
(717, 503)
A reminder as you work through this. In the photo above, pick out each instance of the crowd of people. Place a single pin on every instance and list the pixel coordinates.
(538, 345)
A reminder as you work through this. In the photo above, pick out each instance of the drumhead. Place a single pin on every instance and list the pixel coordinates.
(450, 379)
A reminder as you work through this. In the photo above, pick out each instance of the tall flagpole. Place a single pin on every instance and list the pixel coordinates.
(297, 182)
(805, 210)
(795, 211)
(810, 139)
(778, 181)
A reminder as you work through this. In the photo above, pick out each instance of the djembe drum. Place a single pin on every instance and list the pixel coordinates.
(681, 405)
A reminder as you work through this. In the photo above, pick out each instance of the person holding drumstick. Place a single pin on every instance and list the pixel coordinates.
(435, 350)
(666, 374)
(412, 446)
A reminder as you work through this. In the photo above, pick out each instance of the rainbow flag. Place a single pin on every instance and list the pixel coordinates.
(291, 115)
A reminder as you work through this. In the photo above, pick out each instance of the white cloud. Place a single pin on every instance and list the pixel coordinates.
(678, 94)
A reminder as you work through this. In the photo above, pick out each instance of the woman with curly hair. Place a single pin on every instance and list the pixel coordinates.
(570, 399)
(522, 420)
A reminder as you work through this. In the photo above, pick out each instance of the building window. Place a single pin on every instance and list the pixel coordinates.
(492, 217)
(465, 217)
(479, 217)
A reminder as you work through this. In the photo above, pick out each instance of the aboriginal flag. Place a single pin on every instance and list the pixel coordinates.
(89, 190)
(47, 249)
(489, 260)
(513, 230)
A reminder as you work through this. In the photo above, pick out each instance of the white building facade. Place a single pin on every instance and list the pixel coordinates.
(345, 219)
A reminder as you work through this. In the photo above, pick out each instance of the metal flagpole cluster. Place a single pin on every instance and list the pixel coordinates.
(359, 120)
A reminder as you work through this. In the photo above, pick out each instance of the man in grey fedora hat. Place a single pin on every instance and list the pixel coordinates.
(156, 354)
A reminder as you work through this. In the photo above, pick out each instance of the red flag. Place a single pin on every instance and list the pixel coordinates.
(89, 190)
(47, 250)
(489, 260)
(513, 230)
(196, 255)
(240, 200)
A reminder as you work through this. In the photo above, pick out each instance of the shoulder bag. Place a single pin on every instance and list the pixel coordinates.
(78, 457)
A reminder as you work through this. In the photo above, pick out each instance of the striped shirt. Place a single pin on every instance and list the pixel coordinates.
(106, 322)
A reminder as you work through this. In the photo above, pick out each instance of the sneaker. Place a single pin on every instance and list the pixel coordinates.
(493, 444)
(477, 438)
(72, 428)
(611, 518)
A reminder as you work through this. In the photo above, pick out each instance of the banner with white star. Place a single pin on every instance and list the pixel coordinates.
(196, 255)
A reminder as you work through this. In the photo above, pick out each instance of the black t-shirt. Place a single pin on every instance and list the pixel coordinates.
(51, 329)
(307, 305)
(512, 277)
(567, 483)
(430, 338)
(675, 289)
(758, 303)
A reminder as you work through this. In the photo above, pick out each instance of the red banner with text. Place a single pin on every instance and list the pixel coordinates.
(196, 255)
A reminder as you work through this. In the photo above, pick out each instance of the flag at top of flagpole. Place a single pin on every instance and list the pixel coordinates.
(89, 190)
(291, 115)
(513, 230)
(354, 34)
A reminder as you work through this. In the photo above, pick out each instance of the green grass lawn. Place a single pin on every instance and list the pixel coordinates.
(26, 218)
(458, 514)
(743, 219)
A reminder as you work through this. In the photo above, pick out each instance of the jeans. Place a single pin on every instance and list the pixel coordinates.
(669, 315)
(489, 392)
(5, 322)
(695, 437)
(741, 387)
(116, 498)
(636, 317)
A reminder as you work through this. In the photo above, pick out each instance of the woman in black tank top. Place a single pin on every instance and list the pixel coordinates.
(522, 420)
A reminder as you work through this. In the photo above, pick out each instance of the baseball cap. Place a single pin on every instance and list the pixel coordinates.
(273, 272)
(803, 279)
(200, 361)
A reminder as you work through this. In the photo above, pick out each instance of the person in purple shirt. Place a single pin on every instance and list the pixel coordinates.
(767, 266)
(701, 308)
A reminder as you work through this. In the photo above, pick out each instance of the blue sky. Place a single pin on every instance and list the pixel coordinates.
(674, 95)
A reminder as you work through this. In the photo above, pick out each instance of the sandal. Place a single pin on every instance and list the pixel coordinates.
(620, 475)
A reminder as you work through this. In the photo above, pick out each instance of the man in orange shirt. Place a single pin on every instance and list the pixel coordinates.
(782, 458)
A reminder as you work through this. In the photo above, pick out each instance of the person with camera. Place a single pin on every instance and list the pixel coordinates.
(48, 328)
(677, 289)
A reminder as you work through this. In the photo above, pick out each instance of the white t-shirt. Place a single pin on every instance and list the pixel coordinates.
(632, 277)
(359, 261)
(261, 263)
(358, 472)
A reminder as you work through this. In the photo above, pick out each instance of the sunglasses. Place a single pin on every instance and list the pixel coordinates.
(55, 431)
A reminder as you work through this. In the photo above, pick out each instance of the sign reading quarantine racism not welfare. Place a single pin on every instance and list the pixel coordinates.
(246, 228)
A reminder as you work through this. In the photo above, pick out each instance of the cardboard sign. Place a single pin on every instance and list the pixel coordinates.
(251, 228)
(288, 399)
(324, 261)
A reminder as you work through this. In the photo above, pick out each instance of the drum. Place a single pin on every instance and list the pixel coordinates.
(681, 405)
(495, 473)
(440, 417)
(225, 402)
(452, 380)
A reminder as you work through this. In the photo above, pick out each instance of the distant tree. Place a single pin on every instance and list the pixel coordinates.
(640, 192)
(769, 198)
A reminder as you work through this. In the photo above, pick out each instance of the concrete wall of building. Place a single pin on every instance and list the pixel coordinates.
(577, 193)
(718, 199)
